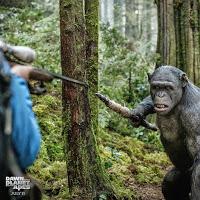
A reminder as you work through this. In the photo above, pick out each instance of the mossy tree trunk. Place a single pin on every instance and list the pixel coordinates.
(14, 3)
(79, 59)
(178, 38)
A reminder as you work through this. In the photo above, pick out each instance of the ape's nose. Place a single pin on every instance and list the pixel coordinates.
(160, 94)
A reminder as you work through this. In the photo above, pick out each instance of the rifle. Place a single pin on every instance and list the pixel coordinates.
(45, 75)
(27, 55)
(41, 76)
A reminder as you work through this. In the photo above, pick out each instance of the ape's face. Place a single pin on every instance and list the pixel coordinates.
(166, 90)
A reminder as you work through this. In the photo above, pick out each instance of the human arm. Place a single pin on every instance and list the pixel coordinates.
(26, 134)
(28, 72)
(25, 131)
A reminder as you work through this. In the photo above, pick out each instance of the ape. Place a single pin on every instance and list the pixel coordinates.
(177, 104)
(176, 101)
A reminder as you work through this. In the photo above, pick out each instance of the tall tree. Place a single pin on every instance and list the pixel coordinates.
(130, 20)
(178, 38)
(148, 18)
(79, 59)
(14, 3)
(120, 15)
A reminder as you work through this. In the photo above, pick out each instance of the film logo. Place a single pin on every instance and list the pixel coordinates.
(17, 185)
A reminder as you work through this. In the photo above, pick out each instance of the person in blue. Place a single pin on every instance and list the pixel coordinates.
(26, 135)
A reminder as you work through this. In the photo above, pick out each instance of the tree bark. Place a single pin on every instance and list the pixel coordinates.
(178, 38)
(14, 3)
(79, 59)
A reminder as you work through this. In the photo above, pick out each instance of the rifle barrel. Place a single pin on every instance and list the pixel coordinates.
(65, 78)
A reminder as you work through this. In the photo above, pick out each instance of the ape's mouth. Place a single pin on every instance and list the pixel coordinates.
(160, 107)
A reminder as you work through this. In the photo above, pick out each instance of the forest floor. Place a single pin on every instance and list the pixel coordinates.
(135, 168)
(147, 192)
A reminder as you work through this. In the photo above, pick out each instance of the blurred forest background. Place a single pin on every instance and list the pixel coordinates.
(133, 159)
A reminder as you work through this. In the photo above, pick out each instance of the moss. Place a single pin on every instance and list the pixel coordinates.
(91, 10)
(52, 178)
(48, 110)
(149, 174)
(128, 161)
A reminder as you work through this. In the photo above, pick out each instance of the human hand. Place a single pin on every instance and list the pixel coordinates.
(22, 71)
(28, 72)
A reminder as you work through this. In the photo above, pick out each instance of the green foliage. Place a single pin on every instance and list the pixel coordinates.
(30, 27)
(123, 78)
(122, 75)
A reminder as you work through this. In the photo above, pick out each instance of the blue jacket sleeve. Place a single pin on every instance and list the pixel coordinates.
(26, 135)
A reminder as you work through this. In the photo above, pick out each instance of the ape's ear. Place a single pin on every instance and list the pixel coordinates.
(184, 79)
(149, 76)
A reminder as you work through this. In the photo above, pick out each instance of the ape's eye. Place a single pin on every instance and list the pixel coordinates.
(157, 87)
(154, 87)
(169, 88)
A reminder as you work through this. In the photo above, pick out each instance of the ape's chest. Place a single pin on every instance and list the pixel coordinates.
(169, 128)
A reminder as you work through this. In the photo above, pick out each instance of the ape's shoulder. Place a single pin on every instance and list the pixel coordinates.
(190, 116)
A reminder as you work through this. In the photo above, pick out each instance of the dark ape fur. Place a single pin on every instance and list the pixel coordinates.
(177, 104)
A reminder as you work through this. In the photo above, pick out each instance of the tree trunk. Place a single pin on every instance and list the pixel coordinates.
(132, 20)
(107, 12)
(79, 59)
(120, 16)
(14, 3)
(147, 21)
(110, 12)
(178, 38)
(103, 10)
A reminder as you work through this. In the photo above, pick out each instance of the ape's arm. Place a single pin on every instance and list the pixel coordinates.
(195, 179)
(143, 109)
(136, 116)
(191, 124)
(146, 107)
